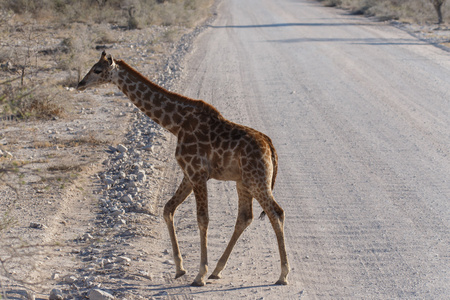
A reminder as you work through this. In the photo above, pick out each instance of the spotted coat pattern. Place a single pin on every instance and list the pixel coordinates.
(208, 146)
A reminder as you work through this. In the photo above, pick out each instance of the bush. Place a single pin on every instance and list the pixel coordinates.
(131, 14)
(23, 102)
(406, 10)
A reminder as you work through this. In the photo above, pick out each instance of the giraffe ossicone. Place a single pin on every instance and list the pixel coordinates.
(208, 147)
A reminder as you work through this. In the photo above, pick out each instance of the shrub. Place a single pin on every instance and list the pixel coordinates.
(407, 10)
(129, 13)
(23, 102)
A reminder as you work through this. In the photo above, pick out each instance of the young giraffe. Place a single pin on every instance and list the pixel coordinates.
(209, 146)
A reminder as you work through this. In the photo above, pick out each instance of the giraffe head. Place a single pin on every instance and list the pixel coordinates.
(100, 73)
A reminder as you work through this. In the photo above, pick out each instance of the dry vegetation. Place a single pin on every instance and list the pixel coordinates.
(138, 13)
(44, 44)
(416, 11)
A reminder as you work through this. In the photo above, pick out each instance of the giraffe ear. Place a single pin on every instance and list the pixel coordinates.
(110, 59)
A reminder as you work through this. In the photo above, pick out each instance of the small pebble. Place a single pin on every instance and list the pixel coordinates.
(121, 148)
(37, 225)
(56, 294)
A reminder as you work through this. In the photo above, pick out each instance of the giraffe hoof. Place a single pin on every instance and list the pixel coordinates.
(180, 273)
(282, 282)
(212, 276)
(195, 283)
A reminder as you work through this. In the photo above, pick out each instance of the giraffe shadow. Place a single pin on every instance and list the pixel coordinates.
(210, 287)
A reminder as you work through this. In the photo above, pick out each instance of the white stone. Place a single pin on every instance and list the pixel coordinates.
(121, 148)
(130, 185)
(122, 156)
(87, 237)
(97, 294)
(37, 225)
(116, 212)
(56, 294)
(127, 198)
(141, 175)
(108, 181)
(70, 279)
(123, 260)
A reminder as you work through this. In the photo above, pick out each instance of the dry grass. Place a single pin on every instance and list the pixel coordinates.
(30, 47)
(417, 11)
(128, 13)
(24, 101)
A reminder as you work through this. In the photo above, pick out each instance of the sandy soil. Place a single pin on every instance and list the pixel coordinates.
(54, 230)
(359, 114)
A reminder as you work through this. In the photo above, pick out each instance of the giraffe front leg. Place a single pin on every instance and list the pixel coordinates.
(244, 218)
(181, 194)
(201, 198)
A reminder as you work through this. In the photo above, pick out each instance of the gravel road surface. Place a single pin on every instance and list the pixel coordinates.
(359, 113)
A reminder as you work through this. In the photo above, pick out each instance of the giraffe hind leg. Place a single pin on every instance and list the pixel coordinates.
(276, 217)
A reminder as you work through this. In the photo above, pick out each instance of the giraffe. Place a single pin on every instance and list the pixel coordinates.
(208, 146)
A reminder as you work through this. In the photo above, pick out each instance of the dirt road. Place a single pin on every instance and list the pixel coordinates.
(359, 113)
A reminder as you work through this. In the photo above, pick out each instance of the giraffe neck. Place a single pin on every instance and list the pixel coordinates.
(165, 108)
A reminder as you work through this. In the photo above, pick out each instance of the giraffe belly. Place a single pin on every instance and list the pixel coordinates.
(229, 172)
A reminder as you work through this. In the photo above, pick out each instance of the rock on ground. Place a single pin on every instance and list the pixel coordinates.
(97, 294)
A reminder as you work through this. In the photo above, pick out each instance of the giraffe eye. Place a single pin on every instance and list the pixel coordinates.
(97, 71)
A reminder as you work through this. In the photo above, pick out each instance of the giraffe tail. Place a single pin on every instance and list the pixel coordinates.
(274, 162)
(262, 215)
(274, 172)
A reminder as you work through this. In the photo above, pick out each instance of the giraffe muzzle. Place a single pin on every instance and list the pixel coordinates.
(81, 85)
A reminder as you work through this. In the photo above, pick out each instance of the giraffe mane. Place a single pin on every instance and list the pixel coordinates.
(199, 104)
